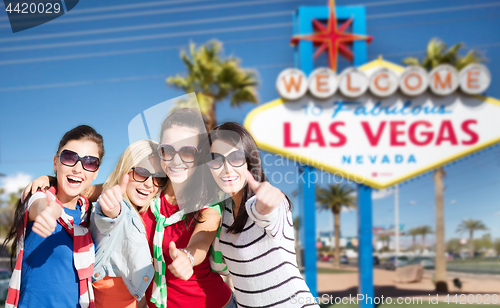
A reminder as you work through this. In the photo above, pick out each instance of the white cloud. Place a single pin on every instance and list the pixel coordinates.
(12, 184)
(347, 209)
(381, 194)
(496, 214)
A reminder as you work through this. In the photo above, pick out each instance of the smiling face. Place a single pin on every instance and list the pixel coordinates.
(230, 179)
(141, 193)
(179, 136)
(71, 181)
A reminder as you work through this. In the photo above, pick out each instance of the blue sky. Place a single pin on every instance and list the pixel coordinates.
(104, 62)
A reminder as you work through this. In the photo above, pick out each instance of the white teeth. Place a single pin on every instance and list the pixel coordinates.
(74, 178)
(229, 178)
(177, 169)
(144, 192)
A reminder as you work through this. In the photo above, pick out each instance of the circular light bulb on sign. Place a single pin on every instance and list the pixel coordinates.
(443, 80)
(475, 78)
(353, 82)
(414, 80)
(291, 84)
(383, 82)
(323, 82)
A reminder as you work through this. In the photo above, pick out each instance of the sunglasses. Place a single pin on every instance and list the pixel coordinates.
(70, 159)
(187, 154)
(235, 159)
(140, 175)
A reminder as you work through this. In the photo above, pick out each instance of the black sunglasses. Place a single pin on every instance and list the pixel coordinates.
(140, 174)
(70, 159)
(187, 153)
(235, 159)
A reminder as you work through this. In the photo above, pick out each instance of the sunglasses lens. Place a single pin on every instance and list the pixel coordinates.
(166, 152)
(236, 159)
(68, 158)
(214, 160)
(188, 154)
(90, 163)
(159, 179)
(141, 174)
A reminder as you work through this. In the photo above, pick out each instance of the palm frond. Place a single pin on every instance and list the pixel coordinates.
(437, 54)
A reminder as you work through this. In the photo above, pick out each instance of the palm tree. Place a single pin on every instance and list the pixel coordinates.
(385, 239)
(413, 232)
(437, 54)
(333, 198)
(214, 78)
(423, 231)
(470, 226)
(7, 209)
(496, 246)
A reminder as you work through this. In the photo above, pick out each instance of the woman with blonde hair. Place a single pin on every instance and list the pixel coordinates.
(179, 227)
(123, 268)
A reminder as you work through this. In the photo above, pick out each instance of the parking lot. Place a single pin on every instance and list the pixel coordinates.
(343, 282)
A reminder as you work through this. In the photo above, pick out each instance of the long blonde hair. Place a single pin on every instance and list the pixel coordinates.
(133, 155)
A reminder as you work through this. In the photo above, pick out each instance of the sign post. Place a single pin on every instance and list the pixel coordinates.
(309, 238)
(365, 252)
(304, 25)
(377, 124)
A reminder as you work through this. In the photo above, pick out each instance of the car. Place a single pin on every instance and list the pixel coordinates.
(4, 283)
(376, 260)
(426, 262)
(394, 262)
(329, 258)
(325, 257)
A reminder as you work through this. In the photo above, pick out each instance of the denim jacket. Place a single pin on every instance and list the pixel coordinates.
(122, 249)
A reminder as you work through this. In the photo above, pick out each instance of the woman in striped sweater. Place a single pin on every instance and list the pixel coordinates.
(257, 239)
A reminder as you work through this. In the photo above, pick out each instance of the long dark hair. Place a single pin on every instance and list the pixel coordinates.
(82, 132)
(237, 135)
(192, 195)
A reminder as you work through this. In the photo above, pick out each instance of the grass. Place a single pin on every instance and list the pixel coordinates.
(489, 263)
(323, 270)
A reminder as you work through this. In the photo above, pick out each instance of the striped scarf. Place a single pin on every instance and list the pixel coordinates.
(159, 296)
(217, 263)
(83, 255)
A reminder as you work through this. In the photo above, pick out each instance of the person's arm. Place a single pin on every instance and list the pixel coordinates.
(40, 183)
(45, 181)
(143, 303)
(198, 246)
(106, 215)
(44, 212)
(268, 208)
(112, 197)
(267, 196)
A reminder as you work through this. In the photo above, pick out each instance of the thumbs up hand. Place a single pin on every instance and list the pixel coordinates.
(181, 265)
(45, 222)
(112, 197)
(268, 196)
